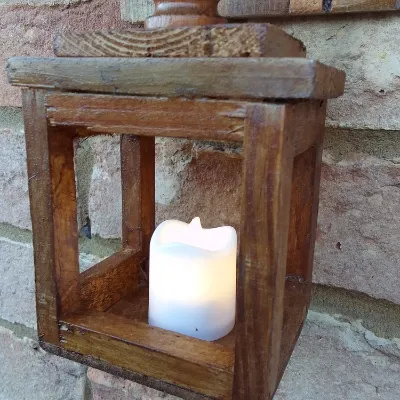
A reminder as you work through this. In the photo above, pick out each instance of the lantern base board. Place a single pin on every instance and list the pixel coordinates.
(119, 340)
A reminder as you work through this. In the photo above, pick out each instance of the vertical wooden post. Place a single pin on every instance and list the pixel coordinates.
(263, 245)
(53, 209)
(302, 230)
(304, 207)
(138, 192)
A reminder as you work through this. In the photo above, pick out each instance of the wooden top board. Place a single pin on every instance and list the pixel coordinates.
(233, 40)
(231, 78)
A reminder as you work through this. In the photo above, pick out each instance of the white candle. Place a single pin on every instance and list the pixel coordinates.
(193, 279)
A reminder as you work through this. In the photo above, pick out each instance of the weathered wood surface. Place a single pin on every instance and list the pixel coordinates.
(261, 8)
(64, 209)
(139, 10)
(136, 307)
(39, 179)
(220, 120)
(109, 281)
(124, 373)
(203, 367)
(248, 8)
(52, 194)
(149, 116)
(138, 192)
(262, 255)
(306, 123)
(304, 212)
(364, 5)
(235, 40)
(251, 78)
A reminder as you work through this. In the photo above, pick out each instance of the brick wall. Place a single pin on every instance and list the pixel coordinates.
(349, 348)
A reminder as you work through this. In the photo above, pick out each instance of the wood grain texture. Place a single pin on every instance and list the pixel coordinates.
(306, 7)
(220, 120)
(251, 8)
(138, 193)
(234, 40)
(64, 209)
(364, 5)
(136, 307)
(205, 368)
(53, 209)
(107, 282)
(306, 123)
(39, 179)
(304, 212)
(259, 8)
(252, 78)
(149, 116)
(262, 257)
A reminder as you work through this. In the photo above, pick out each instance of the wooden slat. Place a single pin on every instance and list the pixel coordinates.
(39, 179)
(235, 40)
(139, 10)
(248, 8)
(203, 367)
(253, 78)
(303, 225)
(136, 307)
(52, 193)
(306, 124)
(138, 192)
(64, 208)
(220, 120)
(304, 212)
(306, 7)
(260, 8)
(364, 5)
(107, 282)
(262, 257)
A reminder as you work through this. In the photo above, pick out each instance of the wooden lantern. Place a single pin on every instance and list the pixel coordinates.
(246, 83)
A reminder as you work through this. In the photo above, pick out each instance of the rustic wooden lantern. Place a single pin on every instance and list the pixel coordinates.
(245, 83)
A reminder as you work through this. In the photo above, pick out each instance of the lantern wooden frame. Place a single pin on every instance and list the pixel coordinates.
(274, 106)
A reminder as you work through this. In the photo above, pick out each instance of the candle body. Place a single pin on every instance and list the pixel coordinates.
(193, 279)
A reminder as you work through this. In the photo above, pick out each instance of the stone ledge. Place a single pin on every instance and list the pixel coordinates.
(27, 372)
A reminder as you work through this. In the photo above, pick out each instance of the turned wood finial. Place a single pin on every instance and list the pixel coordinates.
(173, 13)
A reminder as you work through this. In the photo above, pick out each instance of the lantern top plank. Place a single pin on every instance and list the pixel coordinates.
(235, 78)
(233, 40)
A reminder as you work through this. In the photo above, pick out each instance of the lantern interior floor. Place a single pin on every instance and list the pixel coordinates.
(121, 337)
(135, 306)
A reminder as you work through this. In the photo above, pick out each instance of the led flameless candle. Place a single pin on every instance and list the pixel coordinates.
(193, 279)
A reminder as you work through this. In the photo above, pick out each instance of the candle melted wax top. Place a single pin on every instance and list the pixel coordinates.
(194, 235)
